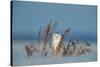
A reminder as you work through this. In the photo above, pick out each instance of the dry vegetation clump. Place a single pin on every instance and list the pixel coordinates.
(71, 49)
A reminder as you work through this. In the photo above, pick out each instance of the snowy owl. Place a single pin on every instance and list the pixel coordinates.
(57, 45)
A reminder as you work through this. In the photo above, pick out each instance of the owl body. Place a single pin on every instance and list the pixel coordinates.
(57, 46)
(56, 38)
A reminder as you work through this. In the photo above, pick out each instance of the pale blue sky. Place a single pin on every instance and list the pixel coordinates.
(29, 16)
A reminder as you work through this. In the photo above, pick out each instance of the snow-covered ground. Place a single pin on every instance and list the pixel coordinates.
(20, 56)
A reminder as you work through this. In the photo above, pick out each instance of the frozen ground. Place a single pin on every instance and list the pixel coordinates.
(20, 57)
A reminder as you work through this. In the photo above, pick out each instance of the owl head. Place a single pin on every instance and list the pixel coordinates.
(56, 38)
